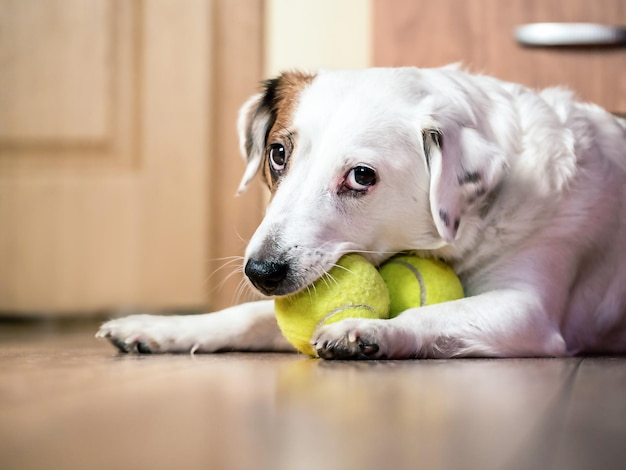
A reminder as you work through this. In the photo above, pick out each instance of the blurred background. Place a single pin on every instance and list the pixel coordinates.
(119, 158)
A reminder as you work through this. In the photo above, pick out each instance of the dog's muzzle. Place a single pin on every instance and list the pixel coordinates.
(266, 276)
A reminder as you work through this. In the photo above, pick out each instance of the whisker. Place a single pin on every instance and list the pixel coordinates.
(229, 261)
(228, 277)
(332, 278)
(243, 240)
(338, 266)
(243, 292)
(231, 257)
(322, 279)
(308, 290)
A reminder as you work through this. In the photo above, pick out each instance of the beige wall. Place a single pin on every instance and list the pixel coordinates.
(312, 34)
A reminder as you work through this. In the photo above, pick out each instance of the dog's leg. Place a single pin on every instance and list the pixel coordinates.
(246, 327)
(495, 324)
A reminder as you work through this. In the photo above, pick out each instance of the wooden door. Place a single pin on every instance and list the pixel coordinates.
(480, 34)
(104, 120)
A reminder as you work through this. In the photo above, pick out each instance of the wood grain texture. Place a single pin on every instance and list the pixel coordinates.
(238, 71)
(54, 59)
(106, 217)
(69, 401)
(479, 33)
(119, 158)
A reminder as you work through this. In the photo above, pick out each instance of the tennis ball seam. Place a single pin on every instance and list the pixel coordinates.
(341, 309)
(418, 276)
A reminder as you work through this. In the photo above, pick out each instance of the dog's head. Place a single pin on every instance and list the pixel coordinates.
(372, 161)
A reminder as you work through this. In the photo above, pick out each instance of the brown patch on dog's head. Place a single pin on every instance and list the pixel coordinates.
(265, 119)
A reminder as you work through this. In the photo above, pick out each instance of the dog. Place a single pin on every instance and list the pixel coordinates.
(522, 192)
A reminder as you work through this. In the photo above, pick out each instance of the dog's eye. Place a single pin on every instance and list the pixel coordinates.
(437, 138)
(278, 157)
(360, 178)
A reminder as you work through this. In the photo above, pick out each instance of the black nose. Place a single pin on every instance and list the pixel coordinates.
(266, 275)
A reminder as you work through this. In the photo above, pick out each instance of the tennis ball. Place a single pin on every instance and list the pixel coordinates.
(352, 289)
(415, 282)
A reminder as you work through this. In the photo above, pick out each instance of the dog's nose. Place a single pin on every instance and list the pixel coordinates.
(266, 275)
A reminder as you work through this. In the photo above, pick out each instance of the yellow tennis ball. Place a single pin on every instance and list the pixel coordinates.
(414, 282)
(352, 289)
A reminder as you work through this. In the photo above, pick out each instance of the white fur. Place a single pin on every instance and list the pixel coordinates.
(525, 198)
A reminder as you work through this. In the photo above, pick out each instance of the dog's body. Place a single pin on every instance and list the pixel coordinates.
(523, 193)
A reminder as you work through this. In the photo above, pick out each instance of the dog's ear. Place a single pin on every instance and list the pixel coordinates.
(259, 114)
(464, 167)
(255, 119)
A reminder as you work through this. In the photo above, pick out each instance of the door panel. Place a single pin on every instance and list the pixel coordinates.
(479, 33)
(104, 115)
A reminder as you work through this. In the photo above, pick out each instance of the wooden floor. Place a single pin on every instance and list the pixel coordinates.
(68, 401)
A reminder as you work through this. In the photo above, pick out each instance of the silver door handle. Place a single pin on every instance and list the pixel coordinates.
(570, 34)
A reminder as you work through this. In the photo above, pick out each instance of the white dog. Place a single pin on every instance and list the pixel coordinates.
(522, 192)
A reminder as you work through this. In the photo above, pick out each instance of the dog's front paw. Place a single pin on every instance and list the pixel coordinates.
(141, 334)
(351, 339)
